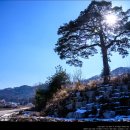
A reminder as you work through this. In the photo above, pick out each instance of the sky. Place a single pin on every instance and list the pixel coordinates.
(28, 34)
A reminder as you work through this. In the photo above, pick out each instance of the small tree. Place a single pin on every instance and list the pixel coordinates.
(58, 79)
(54, 83)
(41, 98)
(77, 76)
(100, 25)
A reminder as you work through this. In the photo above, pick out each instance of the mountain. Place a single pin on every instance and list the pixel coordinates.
(120, 71)
(116, 72)
(22, 94)
(18, 94)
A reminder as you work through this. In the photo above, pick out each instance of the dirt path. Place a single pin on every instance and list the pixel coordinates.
(9, 112)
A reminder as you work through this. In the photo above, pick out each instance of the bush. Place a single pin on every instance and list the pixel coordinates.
(126, 78)
(54, 83)
(40, 99)
(57, 80)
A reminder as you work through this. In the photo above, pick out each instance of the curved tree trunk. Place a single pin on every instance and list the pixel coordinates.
(106, 69)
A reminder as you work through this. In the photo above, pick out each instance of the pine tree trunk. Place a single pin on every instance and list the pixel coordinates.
(106, 69)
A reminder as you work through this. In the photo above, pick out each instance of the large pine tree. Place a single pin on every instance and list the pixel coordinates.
(100, 25)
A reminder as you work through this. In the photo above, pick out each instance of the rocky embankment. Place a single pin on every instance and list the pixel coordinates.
(101, 102)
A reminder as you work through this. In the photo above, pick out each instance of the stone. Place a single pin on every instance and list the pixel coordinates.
(79, 99)
(77, 94)
(83, 108)
(124, 88)
(78, 104)
(110, 88)
(128, 85)
(84, 103)
(91, 116)
(107, 95)
(69, 106)
(90, 94)
(98, 111)
(109, 114)
(128, 111)
(79, 114)
(116, 94)
(102, 93)
(116, 103)
(116, 90)
(106, 89)
(27, 113)
(99, 97)
(35, 114)
(67, 101)
(70, 115)
(107, 85)
(115, 99)
(55, 114)
(89, 106)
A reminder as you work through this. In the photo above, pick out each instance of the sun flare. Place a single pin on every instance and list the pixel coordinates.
(111, 19)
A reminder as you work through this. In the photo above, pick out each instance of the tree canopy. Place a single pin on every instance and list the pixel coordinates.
(81, 37)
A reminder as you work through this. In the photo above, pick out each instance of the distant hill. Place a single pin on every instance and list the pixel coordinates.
(22, 94)
(18, 94)
(120, 71)
(115, 72)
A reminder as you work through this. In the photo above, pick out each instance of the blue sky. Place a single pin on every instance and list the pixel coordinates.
(28, 33)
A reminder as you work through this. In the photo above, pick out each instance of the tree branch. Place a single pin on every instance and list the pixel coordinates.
(85, 46)
(115, 39)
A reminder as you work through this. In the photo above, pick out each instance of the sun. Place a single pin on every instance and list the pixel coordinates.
(110, 19)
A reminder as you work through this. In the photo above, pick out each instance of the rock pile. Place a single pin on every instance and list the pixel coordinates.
(104, 101)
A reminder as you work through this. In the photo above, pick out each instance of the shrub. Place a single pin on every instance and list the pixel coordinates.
(40, 99)
(57, 80)
(54, 83)
(126, 78)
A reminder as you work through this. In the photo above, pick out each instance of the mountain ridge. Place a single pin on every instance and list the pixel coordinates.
(116, 72)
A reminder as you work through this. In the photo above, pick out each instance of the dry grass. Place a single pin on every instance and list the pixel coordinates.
(59, 96)
(121, 79)
(65, 91)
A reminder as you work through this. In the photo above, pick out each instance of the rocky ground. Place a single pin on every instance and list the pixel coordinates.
(102, 102)
(28, 116)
